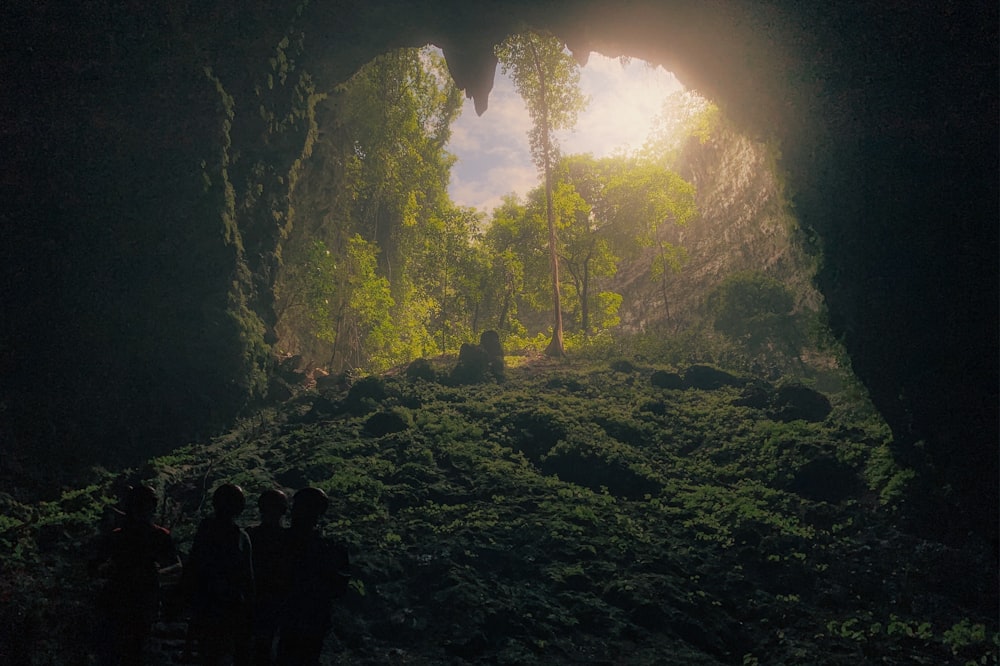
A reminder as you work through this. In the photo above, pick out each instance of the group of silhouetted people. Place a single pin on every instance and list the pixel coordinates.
(257, 596)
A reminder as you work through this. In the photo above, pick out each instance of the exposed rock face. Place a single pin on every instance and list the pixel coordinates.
(140, 228)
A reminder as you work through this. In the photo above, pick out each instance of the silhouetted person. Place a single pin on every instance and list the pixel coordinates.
(138, 552)
(221, 578)
(318, 572)
(268, 541)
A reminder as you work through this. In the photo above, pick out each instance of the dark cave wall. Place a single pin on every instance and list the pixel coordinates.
(136, 277)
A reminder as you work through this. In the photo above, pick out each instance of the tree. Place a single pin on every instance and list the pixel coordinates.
(515, 242)
(378, 172)
(448, 268)
(684, 115)
(585, 249)
(758, 311)
(548, 80)
(646, 196)
(615, 207)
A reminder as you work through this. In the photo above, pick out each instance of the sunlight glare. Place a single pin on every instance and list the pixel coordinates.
(492, 149)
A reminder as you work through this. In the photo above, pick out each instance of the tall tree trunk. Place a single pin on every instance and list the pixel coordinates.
(444, 308)
(555, 347)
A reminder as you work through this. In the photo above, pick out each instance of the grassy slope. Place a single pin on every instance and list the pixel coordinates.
(572, 515)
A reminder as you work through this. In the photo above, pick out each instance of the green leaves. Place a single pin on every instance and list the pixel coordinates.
(547, 78)
(757, 310)
(374, 203)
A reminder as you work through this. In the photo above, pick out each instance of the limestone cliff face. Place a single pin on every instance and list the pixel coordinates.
(744, 224)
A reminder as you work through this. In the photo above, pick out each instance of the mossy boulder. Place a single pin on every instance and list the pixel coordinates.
(707, 378)
(387, 422)
(666, 380)
(794, 401)
(420, 369)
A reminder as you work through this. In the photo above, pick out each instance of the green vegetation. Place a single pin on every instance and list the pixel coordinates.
(757, 311)
(359, 285)
(575, 513)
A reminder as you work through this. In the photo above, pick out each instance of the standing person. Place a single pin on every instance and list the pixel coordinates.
(318, 572)
(138, 552)
(221, 578)
(268, 541)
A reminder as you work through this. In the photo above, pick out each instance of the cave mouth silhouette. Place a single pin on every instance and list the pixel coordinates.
(123, 125)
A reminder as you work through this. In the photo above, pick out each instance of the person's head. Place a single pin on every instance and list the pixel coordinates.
(273, 504)
(140, 503)
(228, 501)
(308, 505)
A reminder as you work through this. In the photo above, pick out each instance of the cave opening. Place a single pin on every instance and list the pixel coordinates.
(659, 269)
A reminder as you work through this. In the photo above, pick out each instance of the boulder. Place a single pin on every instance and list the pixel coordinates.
(666, 380)
(489, 341)
(707, 378)
(421, 369)
(621, 365)
(825, 479)
(794, 401)
(365, 395)
(472, 367)
(387, 422)
(756, 395)
(478, 363)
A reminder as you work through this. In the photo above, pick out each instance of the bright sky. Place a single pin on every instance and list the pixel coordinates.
(492, 150)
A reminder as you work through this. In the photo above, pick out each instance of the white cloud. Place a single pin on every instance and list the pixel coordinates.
(462, 140)
(624, 101)
(492, 150)
(487, 190)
